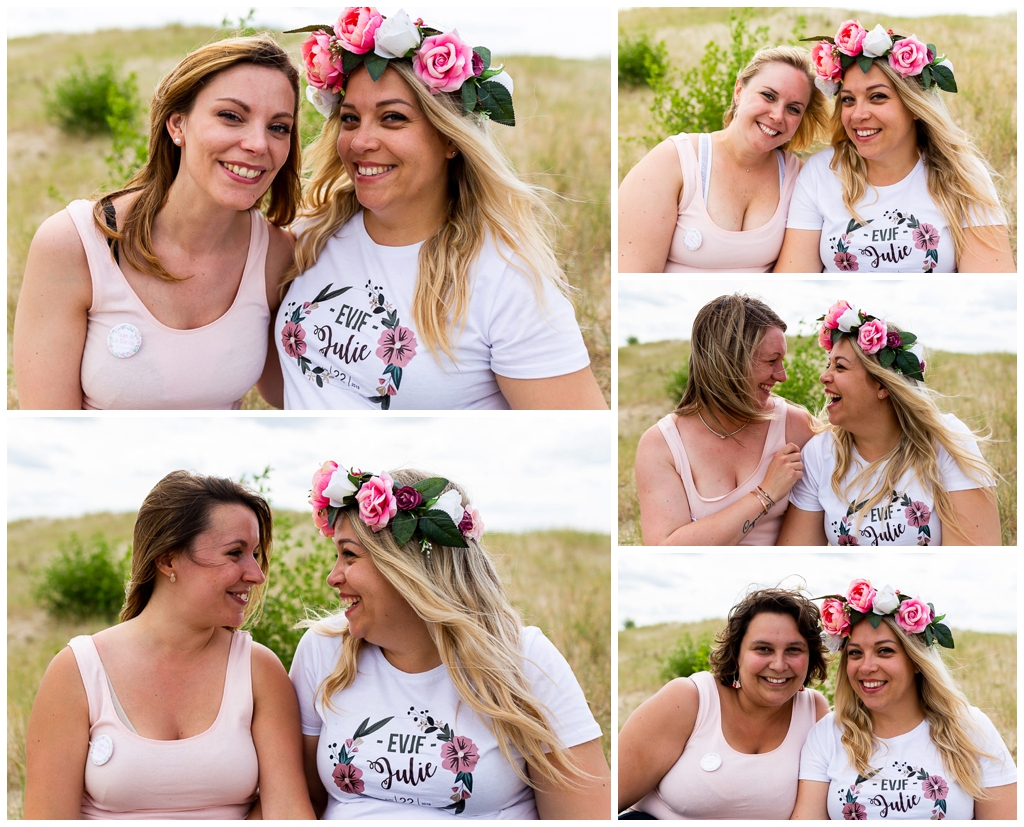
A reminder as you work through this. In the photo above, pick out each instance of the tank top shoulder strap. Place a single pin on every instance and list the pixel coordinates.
(687, 165)
(238, 682)
(704, 159)
(94, 676)
(709, 709)
(776, 438)
(254, 275)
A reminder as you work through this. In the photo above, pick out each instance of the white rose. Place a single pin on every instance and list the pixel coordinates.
(877, 42)
(323, 101)
(886, 601)
(339, 486)
(505, 79)
(832, 643)
(849, 319)
(450, 502)
(827, 87)
(948, 64)
(396, 36)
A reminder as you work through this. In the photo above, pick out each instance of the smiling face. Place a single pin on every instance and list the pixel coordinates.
(216, 582)
(772, 104)
(237, 135)
(396, 158)
(376, 612)
(881, 672)
(853, 396)
(773, 658)
(768, 367)
(875, 119)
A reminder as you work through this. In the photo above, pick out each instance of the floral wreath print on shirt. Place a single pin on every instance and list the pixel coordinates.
(293, 336)
(396, 346)
(933, 787)
(915, 513)
(349, 778)
(458, 755)
(925, 237)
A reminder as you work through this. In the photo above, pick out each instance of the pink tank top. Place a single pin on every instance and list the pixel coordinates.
(133, 361)
(766, 532)
(699, 245)
(210, 775)
(712, 780)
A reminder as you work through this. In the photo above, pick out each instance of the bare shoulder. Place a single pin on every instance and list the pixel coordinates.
(62, 682)
(57, 240)
(265, 662)
(652, 445)
(798, 424)
(820, 706)
(674, 705)
(660, 163)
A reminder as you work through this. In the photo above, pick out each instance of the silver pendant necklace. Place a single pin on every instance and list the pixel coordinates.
(723, 436)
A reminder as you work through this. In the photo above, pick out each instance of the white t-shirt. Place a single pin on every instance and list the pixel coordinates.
(910, 783)
(345, 337)
(908, 519)
(402, 746)
(905, 231)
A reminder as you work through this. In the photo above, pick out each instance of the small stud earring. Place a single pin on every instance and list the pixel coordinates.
(177, 141)
(173, 578)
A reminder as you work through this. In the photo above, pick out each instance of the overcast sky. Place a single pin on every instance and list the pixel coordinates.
(962, 314)
(522, 472)
(506, 29)
(897, 8)
(976, 590)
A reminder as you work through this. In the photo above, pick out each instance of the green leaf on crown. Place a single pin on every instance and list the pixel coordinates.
(944, 78)
(865, 63)
(943, 635)
(438, 527)
(469, 97)
(497, 102)
(327, 29)
(485, 55)
(375, 65)
(403, 526)
(886, 357)
(430, 487)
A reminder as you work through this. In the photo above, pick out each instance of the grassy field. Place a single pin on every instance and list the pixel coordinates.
(559, 580)
(981, 390)
(983, 50)
(562, 142)
(985, 665)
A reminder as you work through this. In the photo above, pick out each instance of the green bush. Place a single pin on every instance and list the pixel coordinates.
(698, 103)
(676, 383)
(804, 366)
(640, 61)
(80, 103)
(84, 582)
(130, 149)
(689, 656)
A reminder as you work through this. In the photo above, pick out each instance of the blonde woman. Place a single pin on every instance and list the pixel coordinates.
(718, 471)
(158, 296)
(903, 188)
(903, 741)
(427, 278)
(701, 203)
(174, 713)
(427, 692)
(892, 469)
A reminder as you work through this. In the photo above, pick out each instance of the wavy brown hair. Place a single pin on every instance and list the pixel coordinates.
(177, 93)
(725, 655)
(173, 514)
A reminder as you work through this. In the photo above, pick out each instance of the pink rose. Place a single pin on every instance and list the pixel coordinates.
(323, 69)
(825, 338)
(908, 56)
(471, 525)
(833, 619)
(913, 616)
(321, 478)
(834, 312)
(826, 64)
(320, 521)
(377, 502)
(849, 38)
(860, 595)
(444, 62)
(871, 337)
(356, 27)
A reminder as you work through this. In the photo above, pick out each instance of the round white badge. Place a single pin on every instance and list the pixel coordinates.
(692, 239)
(100, 750)
(124, 340)
(711, 762)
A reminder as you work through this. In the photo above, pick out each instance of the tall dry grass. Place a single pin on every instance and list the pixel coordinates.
(559, 581)
(984, 664)
(980, 389)
(982, 49)
(562, 142)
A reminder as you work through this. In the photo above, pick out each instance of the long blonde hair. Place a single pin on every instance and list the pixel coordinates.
(484, 198)
(945, 707)
(177, 92)
(814, 123)
(922, 429)
(458, 594)
(959, 177)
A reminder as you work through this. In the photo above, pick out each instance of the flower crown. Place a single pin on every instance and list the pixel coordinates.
(899, 351)
(442, 60)
(908, 56)
(839, 614)
(410, 509)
